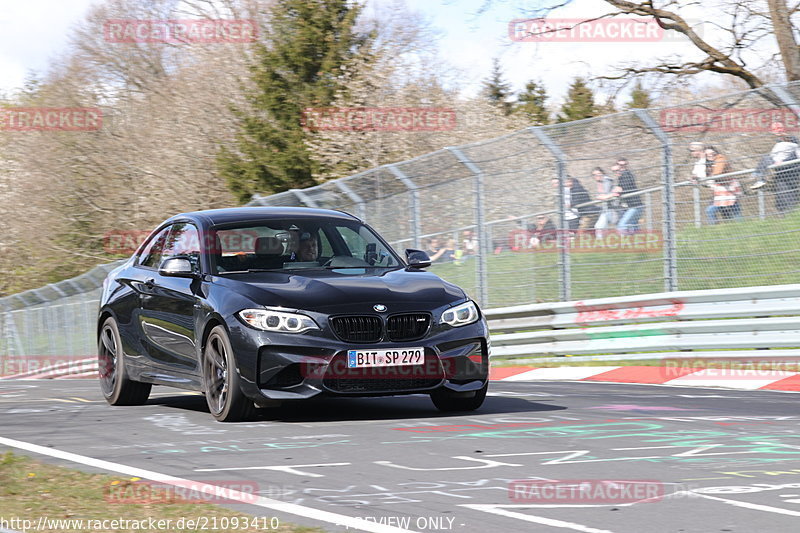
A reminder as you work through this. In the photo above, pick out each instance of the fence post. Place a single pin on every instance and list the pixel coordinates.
(303, 197)
(565, 291)
(668, 180)
(416, 224)
(480, 221)
(12, 334)
(786, 97)
(356, 199)
(698, 221)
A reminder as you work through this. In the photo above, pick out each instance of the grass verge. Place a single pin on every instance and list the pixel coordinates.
(74, 501)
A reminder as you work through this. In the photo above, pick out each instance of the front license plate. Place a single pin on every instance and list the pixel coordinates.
(396, 357)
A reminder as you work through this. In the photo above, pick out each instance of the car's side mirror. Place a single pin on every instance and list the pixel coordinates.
(177, 267)
(371, 255)
(417, 258)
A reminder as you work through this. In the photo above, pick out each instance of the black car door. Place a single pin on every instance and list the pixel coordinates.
(167, 305)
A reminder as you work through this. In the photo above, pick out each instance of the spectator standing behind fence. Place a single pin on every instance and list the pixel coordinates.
(570, 215)
(698, 152)
(469, 244)
(787, 177)
(608, 210)
(543, 232)
(726, 189)
(574, 194)
(775, 156)
(435, 251)
(633, 205)
(450, 251)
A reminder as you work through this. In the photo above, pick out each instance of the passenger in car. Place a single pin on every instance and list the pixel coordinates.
(308, 249)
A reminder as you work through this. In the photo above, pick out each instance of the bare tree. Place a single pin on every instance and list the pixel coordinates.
(166, 109)
(404, 71)
(740, 32)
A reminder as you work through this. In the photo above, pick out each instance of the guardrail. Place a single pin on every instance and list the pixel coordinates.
(750, 322)
(755, 322)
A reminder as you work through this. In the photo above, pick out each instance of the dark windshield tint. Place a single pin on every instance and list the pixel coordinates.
(299, 244)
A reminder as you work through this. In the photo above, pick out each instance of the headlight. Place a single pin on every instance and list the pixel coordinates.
(281, 321)
(461, 315)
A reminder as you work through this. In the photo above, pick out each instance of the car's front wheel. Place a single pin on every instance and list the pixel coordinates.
(448, 400)
(221, 380)
(117, 387)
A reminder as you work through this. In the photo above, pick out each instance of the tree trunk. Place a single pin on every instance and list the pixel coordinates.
(790, 52)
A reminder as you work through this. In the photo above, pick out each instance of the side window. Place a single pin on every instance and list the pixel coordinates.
(325, 245)
(184, 239)
(364, 245)
(354, 241)
(152, 253)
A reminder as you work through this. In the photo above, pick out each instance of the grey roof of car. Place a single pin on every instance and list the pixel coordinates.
(246, 214)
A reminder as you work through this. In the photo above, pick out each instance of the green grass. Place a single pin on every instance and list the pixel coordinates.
(31, 489)
(730, 254)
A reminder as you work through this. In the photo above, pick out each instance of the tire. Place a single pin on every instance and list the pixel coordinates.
(448, 401)
(221, 380)
(117, 387)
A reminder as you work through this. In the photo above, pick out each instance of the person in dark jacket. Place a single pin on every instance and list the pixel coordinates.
(633, 205)
(574, 194)
(543, 232)
(579, 195)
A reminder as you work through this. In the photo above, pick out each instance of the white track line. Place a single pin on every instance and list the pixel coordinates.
(267, 503)
(502, 510)
(749, 505)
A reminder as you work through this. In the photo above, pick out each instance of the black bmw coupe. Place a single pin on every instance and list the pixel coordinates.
(252, 305)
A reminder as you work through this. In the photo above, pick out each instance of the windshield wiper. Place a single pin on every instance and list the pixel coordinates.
(249, 270)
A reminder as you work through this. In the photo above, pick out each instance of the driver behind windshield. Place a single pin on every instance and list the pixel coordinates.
(308, 249)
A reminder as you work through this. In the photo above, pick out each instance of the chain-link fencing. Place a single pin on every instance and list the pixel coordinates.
(505, 220)
(56, 320)
(500, 189)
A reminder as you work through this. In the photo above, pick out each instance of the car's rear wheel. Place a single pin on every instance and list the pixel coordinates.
(448, 400)
(117, 387)
(221, 380)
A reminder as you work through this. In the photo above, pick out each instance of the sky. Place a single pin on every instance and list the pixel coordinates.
(32, 32)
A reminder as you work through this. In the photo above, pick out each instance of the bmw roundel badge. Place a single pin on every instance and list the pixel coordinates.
(379, 308)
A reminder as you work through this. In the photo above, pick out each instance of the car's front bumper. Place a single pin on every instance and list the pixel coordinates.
(292, 367)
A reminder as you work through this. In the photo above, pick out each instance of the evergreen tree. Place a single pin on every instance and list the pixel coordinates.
(640, 98)
(497, 90)
(580, 102)
(531, 104)
(312, 43)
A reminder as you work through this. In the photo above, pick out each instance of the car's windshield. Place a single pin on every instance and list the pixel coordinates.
(299, 244)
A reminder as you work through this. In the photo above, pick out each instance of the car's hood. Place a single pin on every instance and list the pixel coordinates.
(345, 290)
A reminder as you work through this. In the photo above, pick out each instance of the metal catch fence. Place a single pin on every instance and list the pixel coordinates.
(488, 205)
(495, 190)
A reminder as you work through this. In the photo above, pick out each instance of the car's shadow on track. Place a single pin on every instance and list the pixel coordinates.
(374, 408)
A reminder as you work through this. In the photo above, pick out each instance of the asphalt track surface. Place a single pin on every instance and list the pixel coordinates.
(712, 460)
